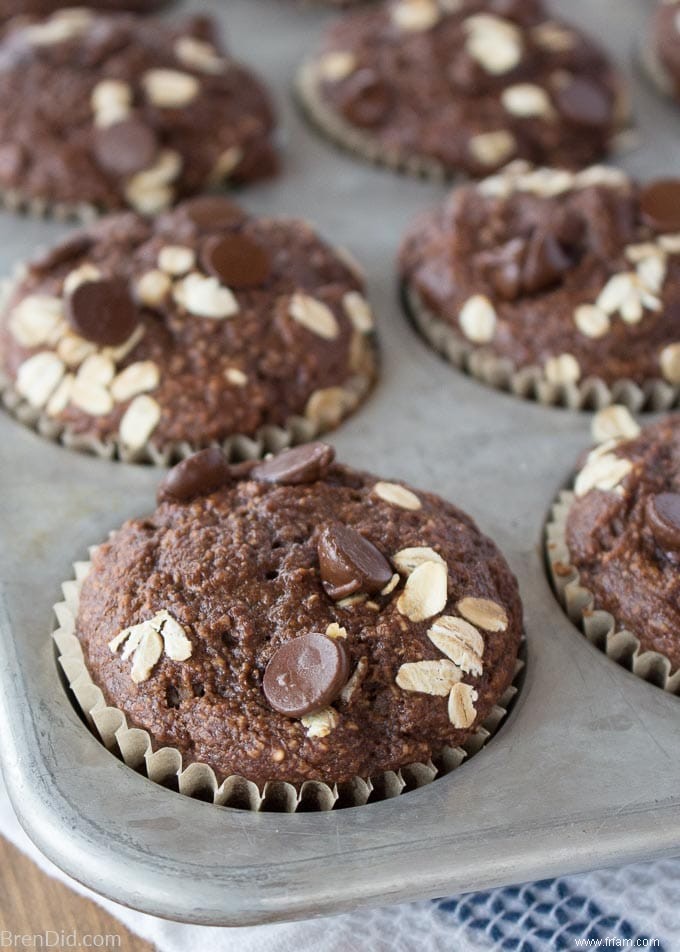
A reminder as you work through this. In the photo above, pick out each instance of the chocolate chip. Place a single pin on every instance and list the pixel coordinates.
(306, 674)
(236, 260)
(583, 103)
(212, 212)
(660, 204)
(544, 263)
(304, 464)
(198, 475)
(103, 312)
(663, 518)
(503, 268)
(64, 251)
(125, 147)
(365, 98)
(349, 563)
(261, 160)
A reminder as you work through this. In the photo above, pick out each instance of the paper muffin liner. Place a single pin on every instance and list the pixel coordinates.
(15, 201)
(343, 134)
(653, 69)
(164, 765)
(600, 627)
(269, 438)
(531, 383)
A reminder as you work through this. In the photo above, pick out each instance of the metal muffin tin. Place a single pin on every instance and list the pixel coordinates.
(584, 773)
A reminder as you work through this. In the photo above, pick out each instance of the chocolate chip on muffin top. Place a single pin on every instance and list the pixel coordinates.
(299, 620)
(189, 329)
(131, 112)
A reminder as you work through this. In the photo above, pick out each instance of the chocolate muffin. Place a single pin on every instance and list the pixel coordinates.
(661, 50)
(149, 337)
(132, 112)
(298, 620)
(439, 87)
(20, 8)
(618, 537)
(558, 285)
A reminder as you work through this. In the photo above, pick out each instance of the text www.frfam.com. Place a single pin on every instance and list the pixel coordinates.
(616, 942)
(52, 939)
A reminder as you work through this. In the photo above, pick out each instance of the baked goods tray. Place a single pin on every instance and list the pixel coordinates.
(585, 772)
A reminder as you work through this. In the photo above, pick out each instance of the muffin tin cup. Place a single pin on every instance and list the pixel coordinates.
(268, 439)
(600, 627)
(530, 383)
(165, 767)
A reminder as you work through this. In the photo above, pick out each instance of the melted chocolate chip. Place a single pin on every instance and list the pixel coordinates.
(503, 268)
(71, 247)
(103, 312)
(237, 261)
(544, 263)
(125, 147)
(663, 518)
(198, 475)
(303, 464)
(306, 674)
(583, 103)
(349, 563)
(260, 161)
(366, 99)
(660, 204)
(212, 212)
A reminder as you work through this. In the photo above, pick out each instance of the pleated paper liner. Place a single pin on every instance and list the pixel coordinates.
(165, 767)
(347, 137)
(13, 200)
(269, 438)
(600, 627)
(654, 70)
(531, 383)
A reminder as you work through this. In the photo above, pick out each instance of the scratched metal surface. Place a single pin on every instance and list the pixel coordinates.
(584, 774)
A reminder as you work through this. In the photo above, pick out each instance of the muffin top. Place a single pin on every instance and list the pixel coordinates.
(190, 328)
(297, 620)
(665, 40)
(109, 110)
(16, 8)
(576, 274)
(469, 84)
(623, 533)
